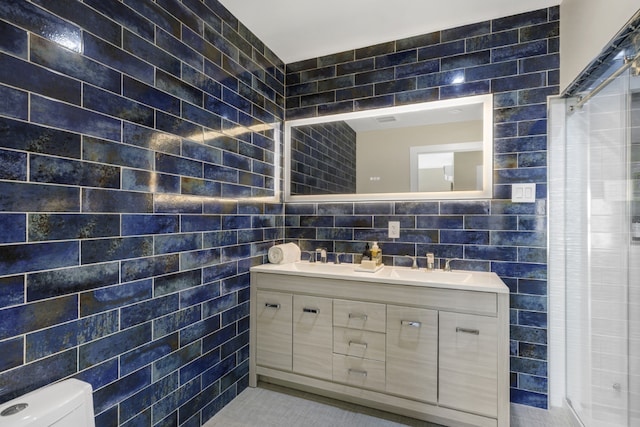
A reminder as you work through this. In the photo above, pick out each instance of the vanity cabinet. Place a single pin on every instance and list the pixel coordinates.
(431, 353)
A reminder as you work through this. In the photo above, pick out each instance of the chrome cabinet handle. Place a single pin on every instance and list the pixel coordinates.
(357, 372)
(361, 344)
(311, 310)
(271, 305)
(360, 316)
(411, 323)
(468, 331)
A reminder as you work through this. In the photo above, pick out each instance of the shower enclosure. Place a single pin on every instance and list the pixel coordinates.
(594, 248)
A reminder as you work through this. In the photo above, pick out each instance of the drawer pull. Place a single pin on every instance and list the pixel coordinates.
(271, 305)
(360, 316)
(357, 372)
(468, 331)
(361, 344)
(311, 310)
(411, 323)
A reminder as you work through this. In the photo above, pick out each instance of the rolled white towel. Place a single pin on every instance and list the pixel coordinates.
(284, 254)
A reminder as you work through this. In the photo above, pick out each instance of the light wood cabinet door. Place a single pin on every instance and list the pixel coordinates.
(312, 336)
(359, 372)
(412, 352)
(468, 363)
(274, 329)
(359, 343)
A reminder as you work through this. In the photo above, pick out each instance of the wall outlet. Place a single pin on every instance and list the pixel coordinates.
(394, 229)
(523, 193)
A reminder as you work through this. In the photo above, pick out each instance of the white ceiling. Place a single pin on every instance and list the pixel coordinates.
(303, 29)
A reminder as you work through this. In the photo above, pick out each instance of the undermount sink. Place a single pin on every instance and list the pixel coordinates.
(430, 276)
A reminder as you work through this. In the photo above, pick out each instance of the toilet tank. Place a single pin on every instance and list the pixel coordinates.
(68, 403)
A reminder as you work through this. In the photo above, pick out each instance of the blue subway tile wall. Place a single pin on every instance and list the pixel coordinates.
(514, 58)
(122, 123)
(315, 152)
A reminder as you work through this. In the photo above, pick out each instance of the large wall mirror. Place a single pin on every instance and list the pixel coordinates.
(433, 150)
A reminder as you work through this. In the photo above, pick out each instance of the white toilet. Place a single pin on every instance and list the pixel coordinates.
(65, 404)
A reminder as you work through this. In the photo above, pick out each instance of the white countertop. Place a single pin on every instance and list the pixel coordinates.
(456, 279)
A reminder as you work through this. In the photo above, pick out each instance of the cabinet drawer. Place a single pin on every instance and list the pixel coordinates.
(358, 343)
(274, 324)
(468, 359)
(312, 336)
(358, 372)
(359, 315)
(412, 352)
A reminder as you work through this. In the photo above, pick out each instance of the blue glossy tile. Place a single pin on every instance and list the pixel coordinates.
(358, 221)
(177, 243)
(533, 383)
(529, 318)
(465, 89)
(35, 375)
(86, 18)
(234, 314)
(496, 222)
(119, 59)
(178, 165)
(176, 321)
(105, 348)
(532, 127)
(62, 171)
(464, 237)
(72, 226)
(148, 267)
(100, 375)
(525, 81)
(110, 395)
(441, 50)
(532, 351)
(334, 234)
(528, 334)
(132, 21)
(519, 51)
(146, 94)
(35, 198)
(184, 14)
(51, 113)
(149, 224)
(27, 76)
(176, 282)
(542, 62)
(116, 106)
(170, 404)
(219, 304)
(465, 60)
(13, 40)
(13, 228)
(199, 294)
(30, 317)
(435, 222)
(175, 360)
(55, 283)
(220, 238)
(177, 203)
(101, 250)
(58, 338)
(233, 253)
(150, 182)
(526, 254)
(490, 71)
(200, 187)
(519, 113)
(529, 366)
(36, 20)
(178, 88)
(24, 258)
(12, 291)
(494, 253)
(220, 271)
(150, 53)
(136, 403)
(116, 296)
(519, 238)
(180, 50)
(38, 139)
(95, 200)
(53, 56)
(14, 103)
(529, 302)
(520, 20)
(464, 208)
(11, 353)
(520, 270)
(534, 287)
(528, 398)
(234, 284)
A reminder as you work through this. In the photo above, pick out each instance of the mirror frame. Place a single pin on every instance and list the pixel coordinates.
(487, 158)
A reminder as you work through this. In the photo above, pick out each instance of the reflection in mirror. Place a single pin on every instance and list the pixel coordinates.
(435, 150)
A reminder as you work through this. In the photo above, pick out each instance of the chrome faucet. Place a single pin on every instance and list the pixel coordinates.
(312, 256)
(337, 261)
(323, 255)
(447, 263)
(414, 266)
(430, 262)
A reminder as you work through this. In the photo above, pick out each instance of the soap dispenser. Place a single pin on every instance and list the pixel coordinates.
(376, 253)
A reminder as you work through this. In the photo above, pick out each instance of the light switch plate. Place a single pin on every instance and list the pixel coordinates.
(523, 193)
(394, 229)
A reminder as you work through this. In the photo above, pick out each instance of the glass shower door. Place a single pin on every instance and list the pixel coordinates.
(599, 248)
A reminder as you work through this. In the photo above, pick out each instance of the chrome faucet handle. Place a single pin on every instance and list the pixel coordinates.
(337, 261)
(312, 256)
(447, 263)
(415, 261)
(323, 255)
